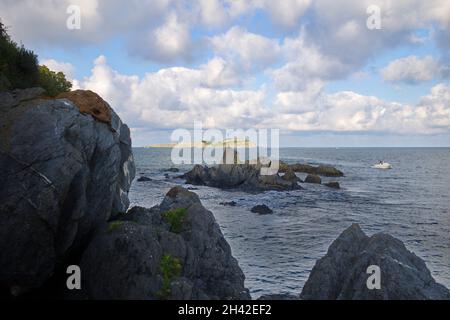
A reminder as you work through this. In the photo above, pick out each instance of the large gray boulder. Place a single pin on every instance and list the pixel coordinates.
(342, 272)
(246, 177)
(131, 258)
(63, 174)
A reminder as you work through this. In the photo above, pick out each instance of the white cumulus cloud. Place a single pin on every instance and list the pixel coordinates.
(250, 51)
(412, 69)
(176, 97)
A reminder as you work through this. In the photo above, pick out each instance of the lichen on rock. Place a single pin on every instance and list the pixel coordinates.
(89, 102)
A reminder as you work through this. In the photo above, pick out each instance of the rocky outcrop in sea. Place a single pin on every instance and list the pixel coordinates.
(312, 178)
(245, 177)
(326, 171)
(342, 272)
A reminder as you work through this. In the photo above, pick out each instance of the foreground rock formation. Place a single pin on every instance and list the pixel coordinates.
(131, 258)
(67, 166)
(341, 273)
(246, 177)
(63, 174)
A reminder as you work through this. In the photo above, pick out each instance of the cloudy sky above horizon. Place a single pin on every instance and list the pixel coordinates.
(310, 68)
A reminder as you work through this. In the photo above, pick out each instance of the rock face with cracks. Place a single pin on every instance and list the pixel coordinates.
(64, 173)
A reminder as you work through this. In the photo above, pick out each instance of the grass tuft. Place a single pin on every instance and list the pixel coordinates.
(113, 226)
(175, 219)
(170, 268)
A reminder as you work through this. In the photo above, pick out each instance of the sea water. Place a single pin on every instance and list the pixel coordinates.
(277, 252)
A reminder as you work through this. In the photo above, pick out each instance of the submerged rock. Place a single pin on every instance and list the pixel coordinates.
(342, 272)
(261, 209)
(172, 170)
(143, 179)
(246, 177)
(63, 174)
(172, 251)
(312, 178)
(229, 203)
(333, 184)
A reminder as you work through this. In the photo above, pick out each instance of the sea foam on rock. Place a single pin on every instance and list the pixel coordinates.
(341, 273)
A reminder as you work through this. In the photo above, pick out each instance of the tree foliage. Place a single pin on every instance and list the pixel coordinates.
(19, 68)
(53, 82)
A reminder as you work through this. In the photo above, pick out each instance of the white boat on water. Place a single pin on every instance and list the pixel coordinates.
(382, 165)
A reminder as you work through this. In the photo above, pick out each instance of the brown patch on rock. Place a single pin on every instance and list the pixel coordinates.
(173, 192)
(89, 102)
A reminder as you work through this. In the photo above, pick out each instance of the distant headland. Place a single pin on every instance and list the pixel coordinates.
(227, 143)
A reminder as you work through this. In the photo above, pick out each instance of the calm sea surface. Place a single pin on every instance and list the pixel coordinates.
(277, 252)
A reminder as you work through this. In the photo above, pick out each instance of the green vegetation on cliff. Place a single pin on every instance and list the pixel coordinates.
(175, 219)
(170, 268)
(53, 82)
(113, 225)
(19, 69)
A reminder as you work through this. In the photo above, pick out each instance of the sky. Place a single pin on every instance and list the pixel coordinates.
(326, 73)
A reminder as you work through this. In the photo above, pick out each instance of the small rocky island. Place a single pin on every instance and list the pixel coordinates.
(247, 176)
(67, 167)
